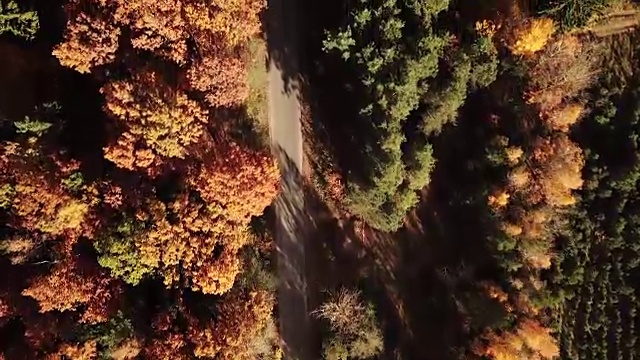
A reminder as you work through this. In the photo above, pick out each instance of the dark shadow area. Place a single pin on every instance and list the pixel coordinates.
(295, 34)
(282, 25)
(419, 278)
(31, 76)
(335, 94)
(447, 240)
(85, 127)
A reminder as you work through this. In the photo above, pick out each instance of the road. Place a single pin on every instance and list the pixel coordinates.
(292, 221)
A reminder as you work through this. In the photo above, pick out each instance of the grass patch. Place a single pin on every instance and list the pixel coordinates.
(257, 78)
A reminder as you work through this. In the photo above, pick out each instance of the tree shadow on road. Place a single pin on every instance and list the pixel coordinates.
(295, 33)
(281, 24)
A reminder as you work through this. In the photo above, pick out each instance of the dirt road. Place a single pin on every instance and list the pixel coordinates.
(292, 221)
(614, 23)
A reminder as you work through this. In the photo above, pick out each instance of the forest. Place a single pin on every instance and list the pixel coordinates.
(471, 179)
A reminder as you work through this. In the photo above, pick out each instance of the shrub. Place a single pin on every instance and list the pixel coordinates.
(264, 345)
(532, 36)
(256, 271)
(110, 336)
(561, 71)
(352, 326)
(28, 125)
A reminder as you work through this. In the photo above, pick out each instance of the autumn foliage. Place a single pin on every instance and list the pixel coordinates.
(529, 340)
(236, 183)
(159, 123)
(89, 42)
(221, 78)
(155, 26)
(542, 178)
(532, 36)
(543, 168)
(164, 209)
(176, 239)
(241, 318)
(561, 163)
(220, 32)
(67, 287)
(86, 351)
(559, 72)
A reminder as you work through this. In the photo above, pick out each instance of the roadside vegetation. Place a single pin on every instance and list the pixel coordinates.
(489, 179)
(411, 79)
(351, 327)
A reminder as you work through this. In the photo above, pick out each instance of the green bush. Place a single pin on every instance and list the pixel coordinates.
(35, 127)
(109, 335)
(74, 182)
(118, 252)
(335, 349)
(256, 271)
(7, 193)
(405, 65)
(572, 14)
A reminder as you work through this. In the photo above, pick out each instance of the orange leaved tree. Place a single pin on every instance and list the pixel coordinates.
(89, 41)
(530, 340)
(68, 287)
(236, 182)
(241, 318)
(36, 192)
(158, 122)
(220, 75)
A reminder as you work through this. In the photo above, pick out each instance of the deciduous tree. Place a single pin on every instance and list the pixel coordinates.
(221, 76)
(240, 318)
(86, 351)
(529, 341)
(155, 25)
(234, 22)
(179, 239)
(35, 194)
(561, 163)
(158, 122)
(89, 41)
(236, 182)
(561, 71)
(66, 287)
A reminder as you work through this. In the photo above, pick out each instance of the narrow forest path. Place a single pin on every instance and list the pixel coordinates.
(293, 223)
(614, 23)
